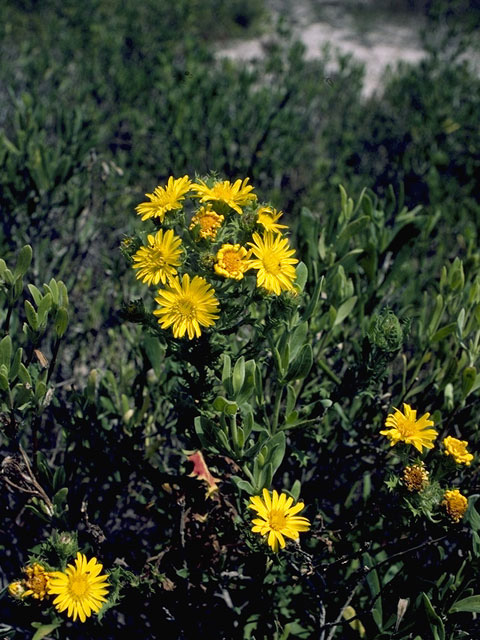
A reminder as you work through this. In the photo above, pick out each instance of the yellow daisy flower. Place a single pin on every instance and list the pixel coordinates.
(458, 450)
(186, 306)
(232, 261)
(208, 221)
(276, 272)
(278, 518)
(36, 582)
(455, 504)
(406, 428)
(157, 262)
(164, 199)
(267, 217)
(415, 477)
(235, 195)
(80, 589)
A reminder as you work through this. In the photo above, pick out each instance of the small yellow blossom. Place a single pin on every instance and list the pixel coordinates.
(165, 199)
(235, 195)
(455, 504)
(80, 589)
(415, 477)
(208, 221)
(159, 260)
(267, 217)
(274, 262)
(458, 450)
(277, 518)
(187, 305)
(232, 261)
(17, 589)
(36, 582)
(406, 428)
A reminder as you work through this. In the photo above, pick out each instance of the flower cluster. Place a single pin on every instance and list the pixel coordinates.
(205, 252)
(80, 589)
(404, 427)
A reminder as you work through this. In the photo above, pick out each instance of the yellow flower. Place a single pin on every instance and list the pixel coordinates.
(208, 221)
(232, 261)
(278, 518)
(267, 217)
(455, 504)
(235, 195)
(406, 428)
(80, 589)
(458, 450)
(276, 272)
(36, 582)
(186, 306)
(158, 261)
(164, 199)
(17, 589)
(415, 477)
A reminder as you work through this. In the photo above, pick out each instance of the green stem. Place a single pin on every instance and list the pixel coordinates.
(7, 320)
(54, 358)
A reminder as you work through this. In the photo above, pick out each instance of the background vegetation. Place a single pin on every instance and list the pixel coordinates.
(100, 101)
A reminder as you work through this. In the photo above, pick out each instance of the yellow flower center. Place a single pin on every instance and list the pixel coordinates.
(277, 520)
(272, 264)
(79, 585)
(158, 258)
(186, 308)
(231, 261)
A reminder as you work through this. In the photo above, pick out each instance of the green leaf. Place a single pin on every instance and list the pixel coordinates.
(31, 314)
(351, 229)
(436, 624)
(238, 375)
(40, 390)
(17, 358)
(291, 399)
(298, 339)
(23, 261)
(469, 375)
(155, 353)
(374, 586)
(53, 290)
(344, 310)
(443, 332)
(6, 351)
(436, 315)
(4, 386)
(61, 321)
(302, 364)
(276, 451)
(44, 307)
(471, 604)
(226, 373)
(63, 294)
(227, 406)
(35, 293)
(43, 630)
(311, 307)
(302, 275)
(59, 499)
(24, 374)
(243, 485)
